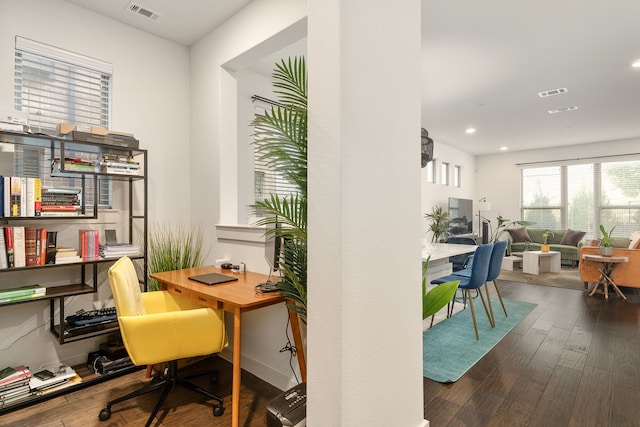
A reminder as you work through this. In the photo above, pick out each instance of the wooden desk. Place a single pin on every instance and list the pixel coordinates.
(605, 265)
(236, 298)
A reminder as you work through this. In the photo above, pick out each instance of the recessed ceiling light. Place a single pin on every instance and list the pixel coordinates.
(504, 148)
(470, 130)
(636, 63)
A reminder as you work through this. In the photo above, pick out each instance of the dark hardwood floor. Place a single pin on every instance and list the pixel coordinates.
(574, 361)
(182, 407)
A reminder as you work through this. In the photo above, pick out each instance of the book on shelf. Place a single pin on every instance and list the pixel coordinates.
(76, 379)
(15, 374)
(68, 259)
(30, 246)
(8, 389)
(3, 250)
(4, 300)
(8, 241)
(89, 244)
(66, 251)
(19, 256)
(41, 245)
(52, 237)
(55, 377)
(15, 196)
(28, 290)
(30, 200)
(2, 196)
(119, 250)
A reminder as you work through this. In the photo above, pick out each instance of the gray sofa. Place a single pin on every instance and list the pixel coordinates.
(567, 242)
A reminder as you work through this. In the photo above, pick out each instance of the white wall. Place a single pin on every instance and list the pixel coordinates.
(150, 99)
(498, 176)
(263, 27)
(437, 194)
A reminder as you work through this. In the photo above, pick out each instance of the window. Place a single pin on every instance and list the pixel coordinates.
(267, 180)
(444, 173)
(430, 171)
(57, 86)
(583, 196)
(456, 175)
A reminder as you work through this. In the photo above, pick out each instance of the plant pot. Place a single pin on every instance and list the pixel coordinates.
(606, 250)
(544, 248)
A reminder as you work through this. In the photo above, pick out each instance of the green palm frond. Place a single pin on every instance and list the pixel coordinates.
(291, 78)
(281, 142)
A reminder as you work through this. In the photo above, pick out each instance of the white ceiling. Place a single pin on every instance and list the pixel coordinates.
(484, 64)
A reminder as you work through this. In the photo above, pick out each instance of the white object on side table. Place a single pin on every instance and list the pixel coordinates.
(536, 262)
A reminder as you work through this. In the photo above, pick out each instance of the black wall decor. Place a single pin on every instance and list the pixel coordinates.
(426, 147)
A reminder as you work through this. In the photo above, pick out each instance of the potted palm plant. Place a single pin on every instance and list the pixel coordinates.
(606, 248)
(281, 141)
(438, 219)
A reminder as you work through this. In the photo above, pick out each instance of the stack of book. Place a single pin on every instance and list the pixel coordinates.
(14, 384)
(74, 164)
(118, 250)
(66, 255)
(53, 379)
(22, 293)
(119, 164)
(60, 201)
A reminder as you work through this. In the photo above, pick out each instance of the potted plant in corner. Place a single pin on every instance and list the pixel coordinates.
(606, 248)
(438, 219)
(281, 141)
(545, 246)
(173, 248)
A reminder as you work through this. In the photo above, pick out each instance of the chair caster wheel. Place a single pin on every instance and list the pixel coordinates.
(218, 410)
(105, 414)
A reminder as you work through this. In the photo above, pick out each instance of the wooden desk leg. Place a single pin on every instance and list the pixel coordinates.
(237, 371)
(297, 340)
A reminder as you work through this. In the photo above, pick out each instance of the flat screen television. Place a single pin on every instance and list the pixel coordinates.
(460, 216)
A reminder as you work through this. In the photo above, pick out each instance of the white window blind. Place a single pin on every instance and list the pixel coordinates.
(541, 196)
(58, 86)
(266, 180)
(583, 196)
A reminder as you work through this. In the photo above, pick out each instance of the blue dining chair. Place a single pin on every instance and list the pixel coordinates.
(475, 280)
(495, 266)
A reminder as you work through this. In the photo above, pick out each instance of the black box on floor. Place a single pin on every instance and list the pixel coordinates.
(289, 409)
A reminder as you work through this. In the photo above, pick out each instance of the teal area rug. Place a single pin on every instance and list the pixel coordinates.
(450, 347)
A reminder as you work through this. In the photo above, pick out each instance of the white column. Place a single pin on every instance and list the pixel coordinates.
(365, 326)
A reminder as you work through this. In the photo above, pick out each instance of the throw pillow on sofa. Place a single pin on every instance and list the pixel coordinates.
(519, 235)
(635, 240)
(572, 237)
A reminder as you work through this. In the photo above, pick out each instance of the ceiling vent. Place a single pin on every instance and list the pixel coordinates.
(562, 110)
(552, 92)
(138, 9)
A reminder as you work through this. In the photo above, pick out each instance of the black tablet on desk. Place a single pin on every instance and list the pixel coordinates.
(213, 278)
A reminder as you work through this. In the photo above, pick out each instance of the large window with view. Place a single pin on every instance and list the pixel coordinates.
(583, 196)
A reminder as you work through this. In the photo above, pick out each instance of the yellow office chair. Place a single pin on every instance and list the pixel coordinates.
(160, 327)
